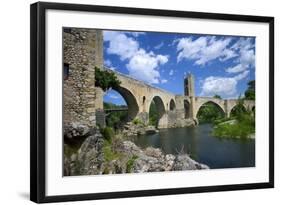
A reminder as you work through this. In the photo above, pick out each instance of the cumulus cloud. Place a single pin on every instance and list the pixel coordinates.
(164, 81)
(120, 44)
(142, 64)
(224, 86)
(204, 49)
(246, 55)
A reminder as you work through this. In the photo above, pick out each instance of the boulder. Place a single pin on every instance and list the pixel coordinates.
(72, 130)
(184, 162)
(150, 130)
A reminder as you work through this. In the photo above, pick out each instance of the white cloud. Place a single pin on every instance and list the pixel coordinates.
(144, 66)
(120, 44)
(109, 65)
(171, 72)
(141, 64)
(224, 86)
(236, 69)
(164, 81)
(160, 45)
(246, 56)
(204, 49)
(135, 34)
(242, 75)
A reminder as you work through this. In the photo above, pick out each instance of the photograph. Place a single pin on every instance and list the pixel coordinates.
(137, 101)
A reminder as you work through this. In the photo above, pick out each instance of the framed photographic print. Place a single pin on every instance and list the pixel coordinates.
(129, 102)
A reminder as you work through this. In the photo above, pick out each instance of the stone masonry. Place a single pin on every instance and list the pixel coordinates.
(82, 51)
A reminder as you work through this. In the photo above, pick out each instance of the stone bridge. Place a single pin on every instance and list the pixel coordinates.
(83, 102)
(174, 110)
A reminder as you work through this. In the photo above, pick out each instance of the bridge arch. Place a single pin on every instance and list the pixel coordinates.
(202, 102)
(236, 107)
(212, 102)
(133, 107)
(160, 109)
(172, 105)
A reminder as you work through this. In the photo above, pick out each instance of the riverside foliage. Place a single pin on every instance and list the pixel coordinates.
(241, 123)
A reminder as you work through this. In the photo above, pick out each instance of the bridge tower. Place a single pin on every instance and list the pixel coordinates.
(189, 92)
(189, 85)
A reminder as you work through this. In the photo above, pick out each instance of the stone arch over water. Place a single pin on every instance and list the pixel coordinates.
(133, 107)
(235, 107)
(160, 108)
(218, 106)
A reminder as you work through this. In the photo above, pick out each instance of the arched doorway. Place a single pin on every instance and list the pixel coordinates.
(156, 111)
(172, 105)
(209, 112)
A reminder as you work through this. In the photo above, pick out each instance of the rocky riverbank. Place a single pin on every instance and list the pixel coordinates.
(134, 129)
(99, 156)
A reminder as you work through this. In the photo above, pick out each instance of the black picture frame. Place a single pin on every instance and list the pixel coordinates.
(38, 100)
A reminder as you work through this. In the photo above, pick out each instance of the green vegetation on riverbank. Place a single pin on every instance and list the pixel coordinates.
(241, 123)
(243, 126)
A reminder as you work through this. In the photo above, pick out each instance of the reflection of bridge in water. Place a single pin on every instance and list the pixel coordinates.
(173, 110)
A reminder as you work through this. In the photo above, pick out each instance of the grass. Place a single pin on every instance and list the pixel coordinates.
(130, 163)
(109, 153)
(137, 121)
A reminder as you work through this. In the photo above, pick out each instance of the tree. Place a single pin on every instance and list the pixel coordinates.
(217, 96)
(106, 79)
(250, 92)
(153, 114)
(115, 119)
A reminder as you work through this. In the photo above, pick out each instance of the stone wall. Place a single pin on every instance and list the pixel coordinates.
(82, 51)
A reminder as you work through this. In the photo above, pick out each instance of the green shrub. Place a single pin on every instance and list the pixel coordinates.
(137, 121)
(244, 126)
(108, 133)
(130, 163)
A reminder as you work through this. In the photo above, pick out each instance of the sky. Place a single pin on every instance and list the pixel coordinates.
(221, 65)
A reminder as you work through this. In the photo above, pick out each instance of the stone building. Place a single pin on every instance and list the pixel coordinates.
(82, 51)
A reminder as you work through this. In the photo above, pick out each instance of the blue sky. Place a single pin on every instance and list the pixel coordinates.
(220, 64)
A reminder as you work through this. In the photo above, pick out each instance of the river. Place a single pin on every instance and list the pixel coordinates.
(202, 146)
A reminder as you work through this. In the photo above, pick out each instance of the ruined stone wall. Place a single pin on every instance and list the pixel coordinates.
(82, 51)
